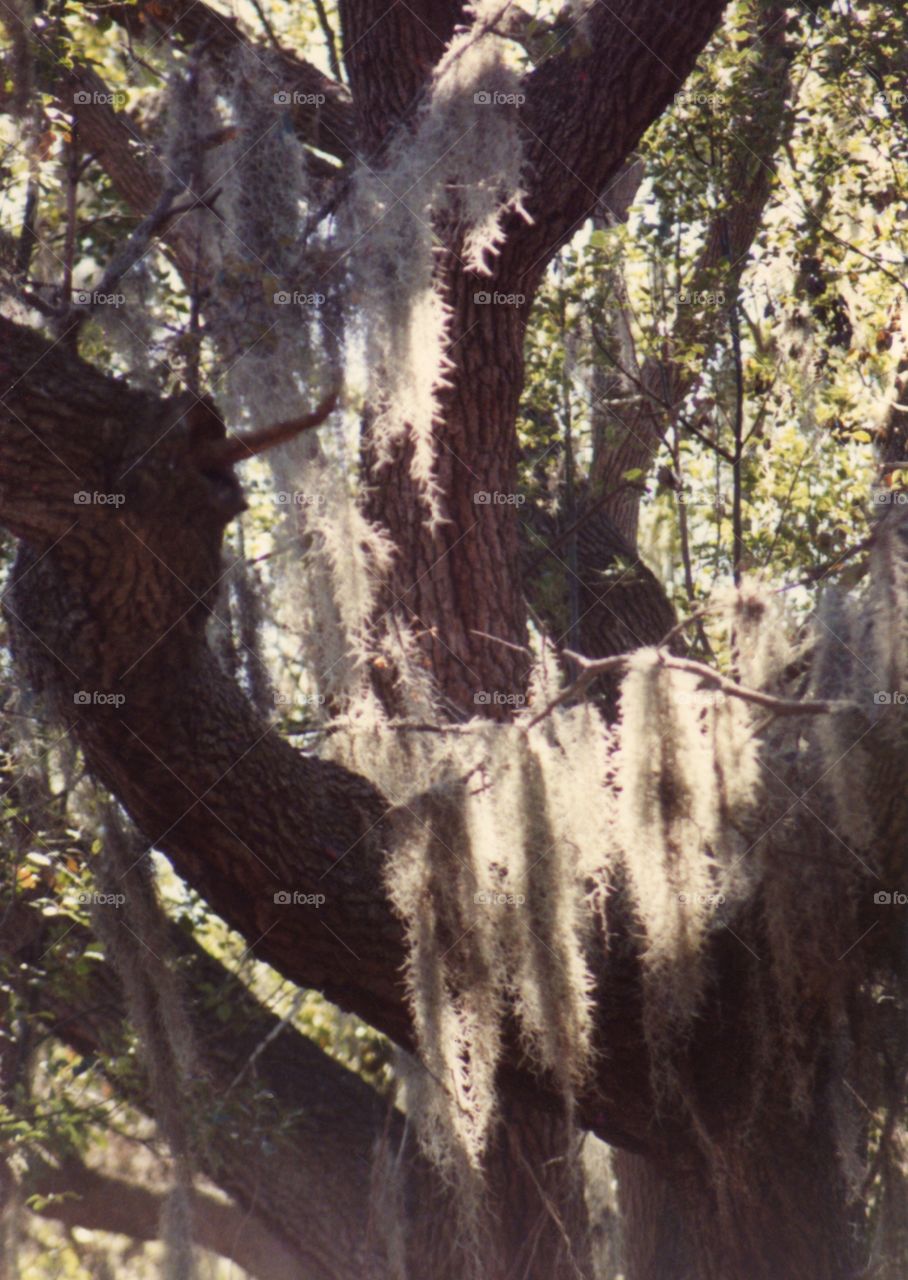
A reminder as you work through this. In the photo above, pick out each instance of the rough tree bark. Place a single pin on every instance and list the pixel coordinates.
(459, 583)
(113, 601)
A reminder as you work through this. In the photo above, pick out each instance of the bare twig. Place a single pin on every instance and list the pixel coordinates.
(693, 619)
(518, 648)
(737, 489)
(659, 401)
(266, 26)
(590, 669)
(137, 245)
(73, 173)
(821, 570)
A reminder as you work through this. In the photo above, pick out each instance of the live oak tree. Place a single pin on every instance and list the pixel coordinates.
(482, 864)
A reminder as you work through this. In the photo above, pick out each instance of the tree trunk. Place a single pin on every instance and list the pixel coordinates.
(535, 1185)
(457, 586)
(785, 1214)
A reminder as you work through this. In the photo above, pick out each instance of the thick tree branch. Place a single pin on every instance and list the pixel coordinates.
(78, 1196)
(293, 1133)
(587, 108)
(109, 615)
(390, 50)
(321, 108)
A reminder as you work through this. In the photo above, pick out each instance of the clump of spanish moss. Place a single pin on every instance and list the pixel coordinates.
(685, 769)
(703, 805)
(493, 839)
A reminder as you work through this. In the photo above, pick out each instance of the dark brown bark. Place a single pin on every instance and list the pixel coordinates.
(322, 111)
(787, 1214)
(455, 586)
(389, 53)
(114, 605)
(133, 627)
(112, 601)
(460, 583)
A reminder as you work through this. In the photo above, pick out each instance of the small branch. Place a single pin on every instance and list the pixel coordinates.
(659, 401)
(330, 40)
(783, 514)
(137, 245)
(235, 449)
(518, 648)
(821, 570)
(273, 1032)
(590, 669)
(573, 584)
(737, 491)
(72, 213)
(779, 706)
(27, 233)
(266, 26)
(683, 529)
(693, 619)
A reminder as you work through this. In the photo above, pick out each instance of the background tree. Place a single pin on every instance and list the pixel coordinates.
(581, 300)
